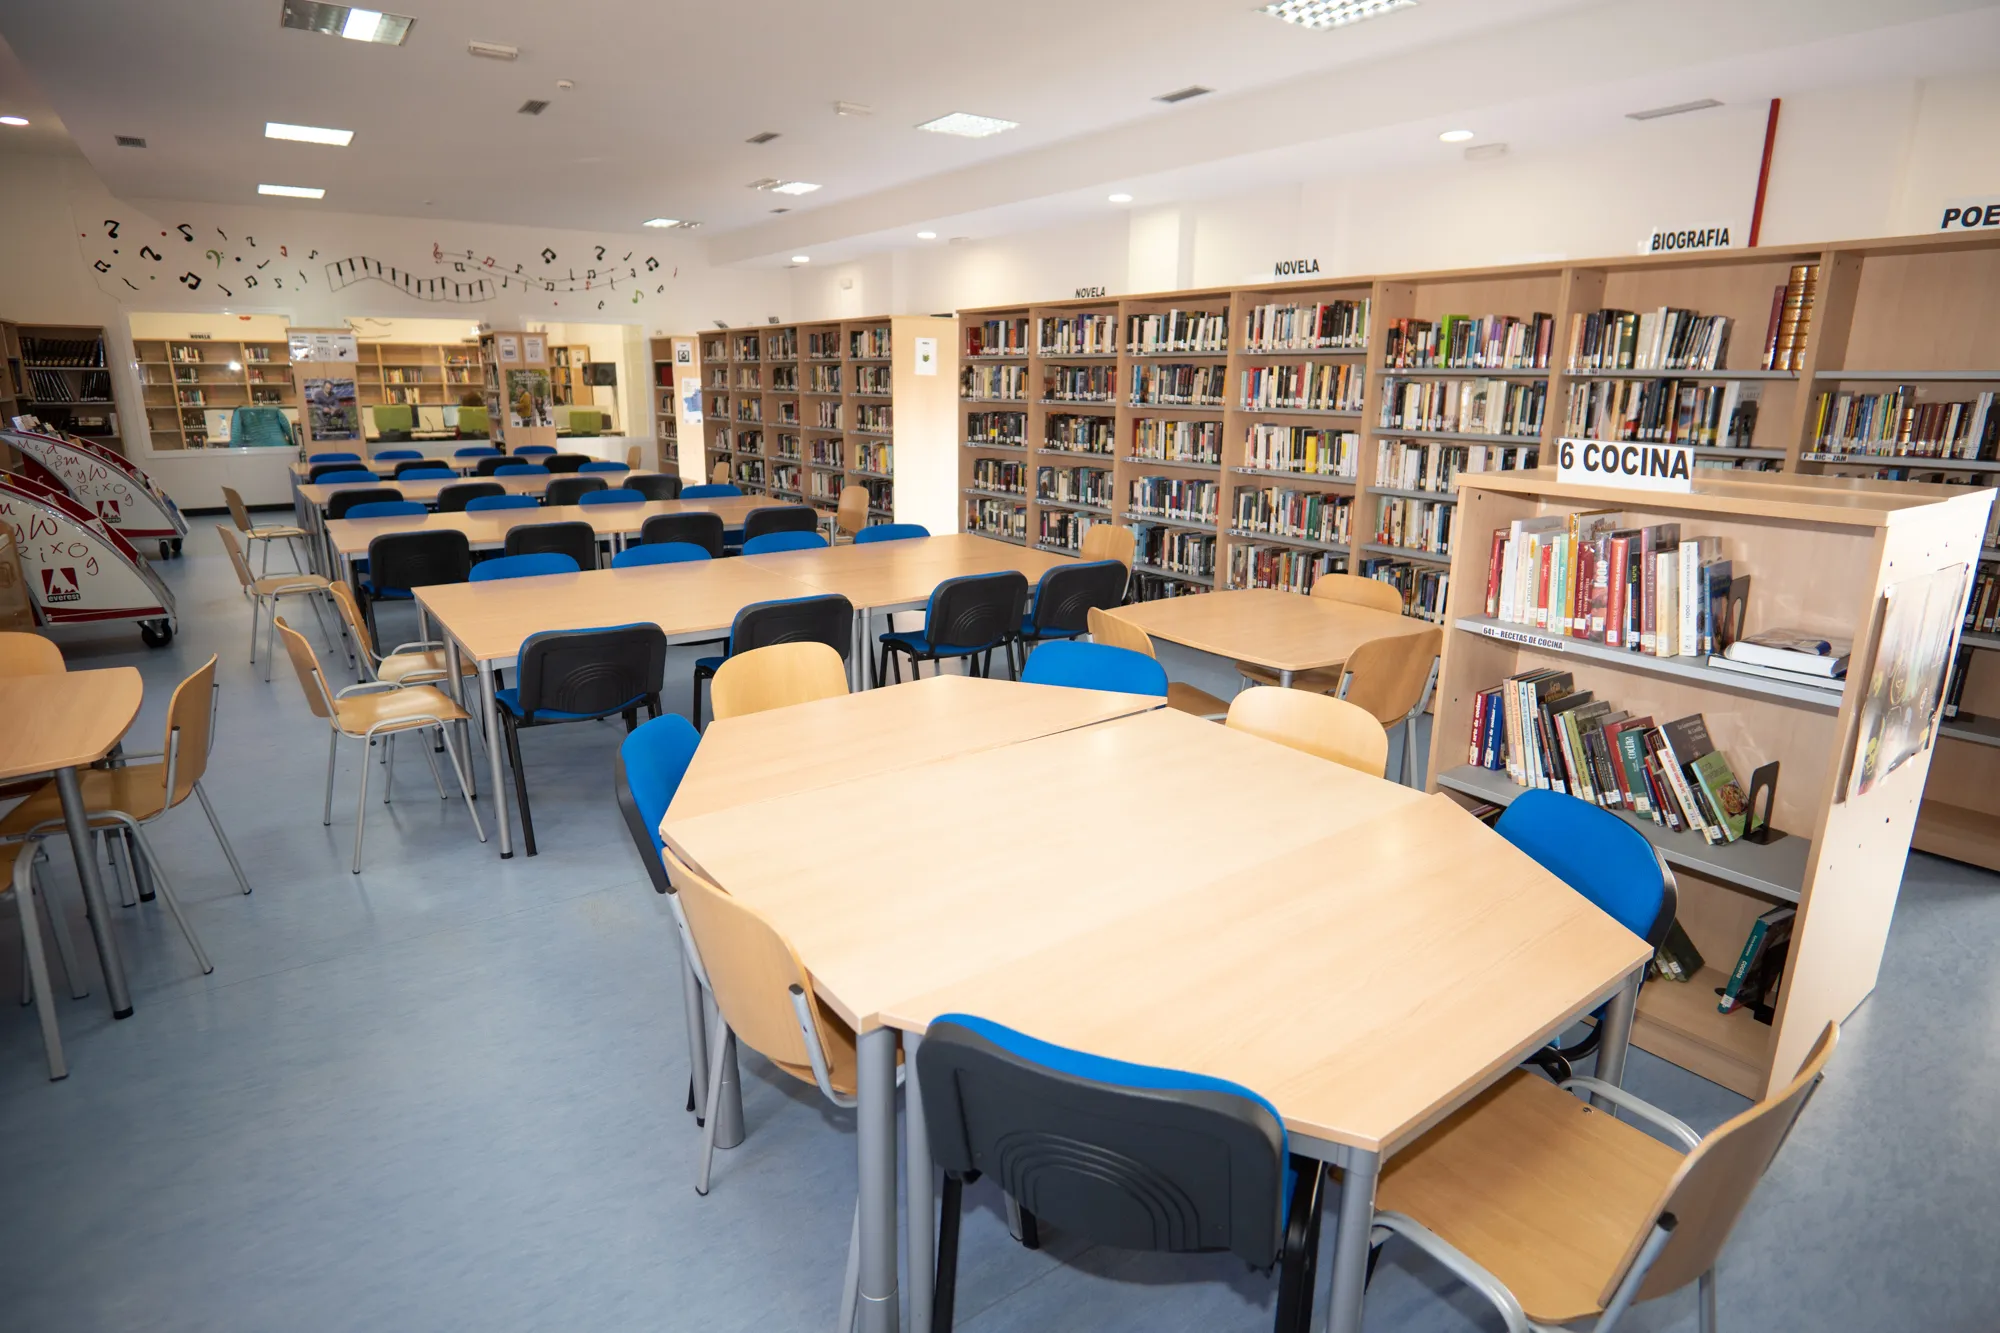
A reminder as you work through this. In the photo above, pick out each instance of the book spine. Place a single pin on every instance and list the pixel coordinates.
(1684, 796)
(1753, 945)
(1617, 591)
(1690, 599)
(1648, 591)
(1472, 746)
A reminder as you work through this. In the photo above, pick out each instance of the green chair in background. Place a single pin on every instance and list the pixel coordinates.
(585, 421)
(394, 422)
(260, 427)
(472, 424)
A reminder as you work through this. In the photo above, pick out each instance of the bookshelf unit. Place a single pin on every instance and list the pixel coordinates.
(60, 374)
(184, 379)
(669, 425)
(494, 368)
(433, 375)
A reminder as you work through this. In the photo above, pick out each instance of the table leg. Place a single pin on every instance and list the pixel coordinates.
(491, 708)
(76, 819)
(1285, 679)
(1617, 1034)
(1350, 1242)
(455, 687)
(919, 1192)
(855, 680)
(875, 1134)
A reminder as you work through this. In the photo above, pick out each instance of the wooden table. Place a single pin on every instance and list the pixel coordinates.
(1280, 630)
(58, 724)
(488, 528)
(1366, 957)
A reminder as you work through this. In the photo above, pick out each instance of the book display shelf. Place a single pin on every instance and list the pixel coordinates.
(1820, 553)
(184, 379)
(417, 374)
(58, 372)
(667, 406)
(515, 383)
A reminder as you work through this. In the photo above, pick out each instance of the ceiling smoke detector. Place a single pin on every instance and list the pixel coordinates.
(1187, 94)
(1677, 109)
(494, 50)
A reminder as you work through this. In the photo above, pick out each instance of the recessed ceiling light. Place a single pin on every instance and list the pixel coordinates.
(794, 187)
(1455, 136)
(802, 259)
(307, 134)
(293, 191)
(357, 25)
(661, 222)
(968, 126)
(1121, 198)
(493, 50)
(1678, 108)
(853, 109)
(927, 236)
(13, 120)
(1331, 13)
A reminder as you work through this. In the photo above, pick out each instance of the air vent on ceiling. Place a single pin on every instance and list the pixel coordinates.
(765, 137)
(1678, 108)
(130, 141)
(1485, 152)
(533, 107)
(1187, 94)
(781, 210)
(494, 50)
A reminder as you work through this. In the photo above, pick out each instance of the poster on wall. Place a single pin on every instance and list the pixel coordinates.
(927, 361)
(690, 388)
(1906, 681)
(683, 352)
(323, 347)
(331, 410)
(537, 352)
(528, 401)
(510, 349)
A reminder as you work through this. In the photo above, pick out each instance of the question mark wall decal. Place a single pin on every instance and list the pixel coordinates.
(111, 228)
(150, 253)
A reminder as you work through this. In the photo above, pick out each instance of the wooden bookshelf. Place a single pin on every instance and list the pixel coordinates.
(669, 423)
(60, 373)
(184, 379)
(1819, 551)
(494, 368)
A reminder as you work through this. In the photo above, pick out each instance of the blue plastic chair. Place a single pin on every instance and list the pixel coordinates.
(1095, 666)
(534, 451)
(765, 543)
(521, 470)
(397, 455)
(480, 503)
(612, 495)
(890, 532)
(720, 490)
(476, 451)
(334, 458)
(603, 465)
(389, 509)
(523, 566)
(429, 474)
(361, 475)
(659, 553)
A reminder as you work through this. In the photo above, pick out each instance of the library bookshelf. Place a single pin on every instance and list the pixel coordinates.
(799, 411)
(668, 409)
(59, 373)
(417, 375)
(515, 383)
(1819, 552)
(184, 379)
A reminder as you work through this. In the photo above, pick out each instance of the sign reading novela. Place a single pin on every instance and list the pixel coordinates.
(1633, 465)
(1294, 268)
(1666, 240)
(1085, 293)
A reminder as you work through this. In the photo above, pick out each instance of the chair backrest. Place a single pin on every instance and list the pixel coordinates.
(410, 461)
(306, 662)
(604, 465)
(852, 515)
(659, 553)
(457, 498)
(1110, 541)
(481, 503)
(387, 509)
(721, 490)
(570, 490)
(656, 486)
(768, 542)
(1119, 632)
(1095, 666)
(633, 456)
(1320, 725)
(827, 618)
(1596, 853)
(338, 456)
(776, 676)
(342, 503)
(566, 462)
(490, 462)
(236, 560)
(591, 671)
(1133, 1156)
(260, 427)
(585, 421)
(23, 654)
(1357, 591)
(535, 451)
(239, 513)
(424, 472)
(615, 495)
(1387, 676)
(697, 527)
(399, 561)
(1714, 1182)
(395, 416)
(359, 476)
(398, 455)
(652, 760)
(890, 532)
(517, 469)
(780, 518)
(752, 972)
(523, 566)
(474, 450)
(720, 472)
(191, 712)
(1067, 593)
(575, 539)
(350, 611)
(974, 610)
(473, 422)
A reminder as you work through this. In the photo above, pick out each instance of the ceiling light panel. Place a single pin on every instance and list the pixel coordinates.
(1677, 109)
(130, 141)
(533, 107)
(494, 50)
(968, 126)
(355, 24)
(13, 120)
(794, 187)
(1331, 13)
(293, 191)
(765, 137)
(307, 134)
(1455, 136)
(661, 222)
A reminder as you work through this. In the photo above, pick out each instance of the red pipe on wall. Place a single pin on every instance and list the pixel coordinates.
(1764, 172)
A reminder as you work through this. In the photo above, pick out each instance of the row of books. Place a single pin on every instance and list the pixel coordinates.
(787, 477)
(1004, 384)
(750, 409)
(1074, 485)
(1895, 424)
(1663, 339)
(1175, 497)
(52, 386)
(997, 337)
(823, 379)
(1277, 511)
(871, 379)
(1178, 384)
(1310, 449)
(826, 453)
(996, 518)
(823, 346)
(1286, 568)
(1415, 525)
(749, 347)
(1760, 966)
(1587, 575)
(782, 345)
(750, 442)
(881, 494)
(1177, 331)
(994, 474)
(784, 444)
(825, 486)
(1176, 550)
(1466, 407)
(1791, 319)
(1425, 588)
(63, 351)
(826, 416)
(1078, 335)
(875, 456)
(996, 427)
(1337, 325)
(1080, 384)
(1317, 387)
(784, 379)
(870, 344)
(872, 417)
(1470, 342)
(1175, 441)
(1982, 608)
(1414, 465)
(1063, 528)
(1080, 434)
(1668, 411)
(749, 377)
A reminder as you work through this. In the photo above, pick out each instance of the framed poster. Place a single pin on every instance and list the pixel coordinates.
(690, 388)
(510, 349)
(683, 352)
(537, 350)
(331, 413)
(528, 400)
(1913, 652)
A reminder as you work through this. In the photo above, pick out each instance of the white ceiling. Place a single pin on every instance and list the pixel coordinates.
(667, 92)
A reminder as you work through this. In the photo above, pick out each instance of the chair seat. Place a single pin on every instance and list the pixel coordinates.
(276, 583)
(138, 790)
(398, 668)
(386, 594)
(1185, 698)
(919, 646)
(273, 532)
(1028, 630)
(708, 665)
(1536, 1187)
(1320, 680)
(510, 699)
(395, 710)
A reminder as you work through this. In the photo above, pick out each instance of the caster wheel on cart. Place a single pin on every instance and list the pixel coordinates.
(156, 633)
(166, 550)
(177, 545)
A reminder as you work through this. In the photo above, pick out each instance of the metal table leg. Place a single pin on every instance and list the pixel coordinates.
(76, 819)
(491, 708)
(919, 1192)
(1350, 1242)
(875, 1135)
(1617, 1034)
(1285, 679)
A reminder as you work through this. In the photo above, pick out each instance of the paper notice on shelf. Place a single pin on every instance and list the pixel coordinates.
(926, 355)
(683, 352)
(510, 349)
(536, 350)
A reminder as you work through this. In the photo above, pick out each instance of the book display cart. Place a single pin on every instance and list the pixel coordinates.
(184, 379)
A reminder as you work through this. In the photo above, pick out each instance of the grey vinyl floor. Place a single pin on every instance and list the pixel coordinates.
(447, 1094)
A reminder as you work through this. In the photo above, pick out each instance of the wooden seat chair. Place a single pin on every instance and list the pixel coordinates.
(1122, 633)
(372, 709)
(17, 876)
(720, 472)
(777, 675)
(239, 514)
(631, 458)
(265, 594)
(1110, 541)
(1318, 724)
(1556, 1212)
(25, 654)
(421, 662)
(1392, 678)
(1354, 591)
(852, 515)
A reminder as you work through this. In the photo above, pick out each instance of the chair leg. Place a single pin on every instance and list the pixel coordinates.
(388, 765)
(1298, 1274)
(229, 852)
(166, 893)
(65, 946)
(951, 1213)
(520, 781)
(1705, 1294)
(360, 815)
(142, 881)
(437, 778)
(332, 753)
(718, 1044)
(451, 751)
(256, 613)
(126, 886)
(38, 971)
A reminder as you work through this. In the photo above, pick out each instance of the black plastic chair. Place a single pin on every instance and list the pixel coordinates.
(655, 485)
(564, 462)
(318, 470)
(1131, 1156)
(415, 464)
(827, 619)
(340, 502)
(577, 540)
(1061, 606)
(491, 464)
(453, 499)
(579, 676)
(968, 617)
(401, 561)
(568, 490)
(697, 526)
(780, 518)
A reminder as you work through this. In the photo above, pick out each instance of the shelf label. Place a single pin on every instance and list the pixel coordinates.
(1970, 214)
(1512, 634)
(1630, 465)
(926, 356)
(1294, 268)
(1085, 293)
(1673, 240)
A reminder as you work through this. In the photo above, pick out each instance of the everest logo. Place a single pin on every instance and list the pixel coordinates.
(108, 511)
(59, 585)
